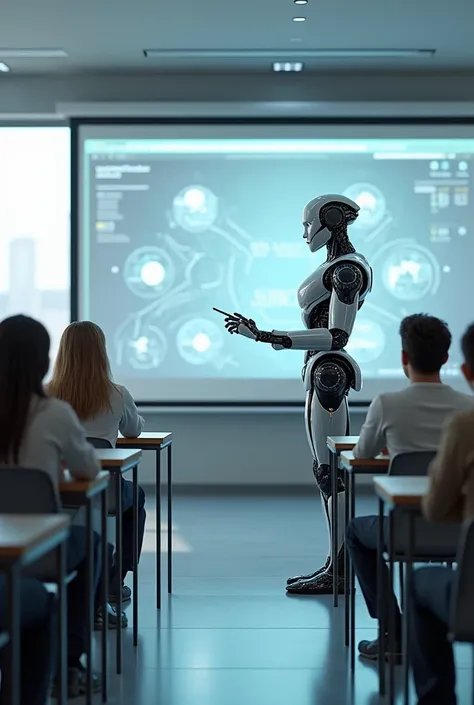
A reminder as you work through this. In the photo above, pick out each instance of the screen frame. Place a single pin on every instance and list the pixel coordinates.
(76, 123)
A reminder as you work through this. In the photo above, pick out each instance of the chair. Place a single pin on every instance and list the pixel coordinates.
(462, 612)
(28, 491)
(433, 542)
(99, 442)
(413, 463)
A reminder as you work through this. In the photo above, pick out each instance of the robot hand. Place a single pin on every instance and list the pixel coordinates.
(236, 324)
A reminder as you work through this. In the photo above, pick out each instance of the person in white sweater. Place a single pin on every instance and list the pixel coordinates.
(82, 378)
(400, 422)
(45, 434)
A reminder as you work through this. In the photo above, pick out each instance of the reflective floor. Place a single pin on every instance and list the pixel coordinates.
(229, 635)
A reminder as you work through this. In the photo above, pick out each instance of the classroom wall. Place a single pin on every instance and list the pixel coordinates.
(39, 95)
(231, 448)
(237, 448)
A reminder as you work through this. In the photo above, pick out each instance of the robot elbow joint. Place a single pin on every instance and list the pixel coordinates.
(339, 339)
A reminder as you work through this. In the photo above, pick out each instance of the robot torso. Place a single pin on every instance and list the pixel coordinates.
(315, 292)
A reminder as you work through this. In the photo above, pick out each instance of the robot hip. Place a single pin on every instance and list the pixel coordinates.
(340, 359)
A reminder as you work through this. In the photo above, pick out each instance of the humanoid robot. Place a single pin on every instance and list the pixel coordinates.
(329, 300)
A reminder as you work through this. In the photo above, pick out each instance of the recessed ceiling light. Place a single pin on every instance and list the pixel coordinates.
(4, 68)
(299, 19)
(300, 2)
(32, 53)
(288, 66)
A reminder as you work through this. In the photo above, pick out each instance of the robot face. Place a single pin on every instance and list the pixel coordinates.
(325, 216)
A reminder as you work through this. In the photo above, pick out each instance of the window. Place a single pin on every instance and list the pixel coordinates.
(34, 225)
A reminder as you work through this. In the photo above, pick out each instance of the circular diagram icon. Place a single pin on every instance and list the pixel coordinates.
(149, 271)
(147, 350)
(199, 341)
(409, 271)
(195, 208)
(371, 202)
(367, 340)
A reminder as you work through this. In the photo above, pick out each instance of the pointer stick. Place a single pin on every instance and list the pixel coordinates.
(228, 315)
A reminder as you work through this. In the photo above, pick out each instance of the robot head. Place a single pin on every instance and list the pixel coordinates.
(326, 216)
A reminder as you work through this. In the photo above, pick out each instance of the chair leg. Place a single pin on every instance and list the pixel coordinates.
(401, 575)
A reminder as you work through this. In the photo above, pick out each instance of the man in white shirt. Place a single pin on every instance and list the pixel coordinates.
(400, 422)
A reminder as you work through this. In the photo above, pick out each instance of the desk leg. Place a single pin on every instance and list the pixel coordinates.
(62, 624)
(334, 528)
(89, 600)
(346, 563)
(13, 620)
(391, 613)
(380, 598)
(352, 576)
(407, 607)
(118, 566)
(105, 591)
(135, 555)
(158, 528)
(170, 521)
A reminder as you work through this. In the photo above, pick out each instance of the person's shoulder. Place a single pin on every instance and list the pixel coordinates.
(56, 412)
(463, 401)
(462, 422)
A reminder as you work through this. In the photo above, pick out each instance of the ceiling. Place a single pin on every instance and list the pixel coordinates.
(111, 35)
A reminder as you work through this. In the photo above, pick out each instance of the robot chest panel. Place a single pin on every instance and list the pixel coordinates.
(314, 291)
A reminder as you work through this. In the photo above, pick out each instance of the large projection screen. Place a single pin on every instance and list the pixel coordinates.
(177, 218)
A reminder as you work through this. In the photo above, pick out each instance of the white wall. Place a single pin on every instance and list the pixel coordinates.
(232, 448)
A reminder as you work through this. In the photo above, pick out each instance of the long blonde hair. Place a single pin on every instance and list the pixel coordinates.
(81, 374)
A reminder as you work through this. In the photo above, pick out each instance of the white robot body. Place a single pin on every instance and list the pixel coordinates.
(313, 290)
(329, 299)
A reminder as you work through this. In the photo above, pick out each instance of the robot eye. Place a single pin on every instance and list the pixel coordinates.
(333, 217)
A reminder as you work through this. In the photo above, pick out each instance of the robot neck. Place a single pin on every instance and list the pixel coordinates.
(339, 245)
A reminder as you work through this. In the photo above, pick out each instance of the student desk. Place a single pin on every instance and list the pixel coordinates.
(401, 493)
(352, 467)
(24, 539)
(336, 444)
(82, 493)
(158, 441)
(118, 462)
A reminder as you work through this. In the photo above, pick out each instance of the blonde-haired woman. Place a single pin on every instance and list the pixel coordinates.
(82, 378)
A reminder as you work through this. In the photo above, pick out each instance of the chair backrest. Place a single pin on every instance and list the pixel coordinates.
(413, 463)
(29, 491)
(432, 541)
(104, 443)
(462, 608)
(99, 442)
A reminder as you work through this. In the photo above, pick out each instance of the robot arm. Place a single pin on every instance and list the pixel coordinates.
(347, 283)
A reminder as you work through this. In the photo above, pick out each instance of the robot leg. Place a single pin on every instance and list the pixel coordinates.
(326, 415)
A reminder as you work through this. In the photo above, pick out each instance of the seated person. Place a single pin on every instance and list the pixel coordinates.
(39, 432)
(38, 642)
(402, 422)
(82, 378)
(450, 498)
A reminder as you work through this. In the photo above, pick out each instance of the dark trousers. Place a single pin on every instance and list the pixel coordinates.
(38, 641)
(127, 525)
(78, 590)
(432, 654)
(362, 537)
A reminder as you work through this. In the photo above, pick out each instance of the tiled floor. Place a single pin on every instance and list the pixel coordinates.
(229, 635)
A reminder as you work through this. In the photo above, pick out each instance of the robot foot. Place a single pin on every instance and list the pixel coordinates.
(298, 578)
(322, 584)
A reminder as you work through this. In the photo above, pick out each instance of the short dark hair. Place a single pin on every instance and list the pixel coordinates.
(426, 341)
(24, 358)
(467, 347)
